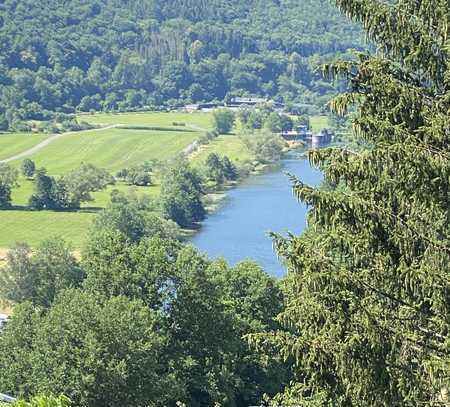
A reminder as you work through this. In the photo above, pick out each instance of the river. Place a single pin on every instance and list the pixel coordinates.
(263, 203)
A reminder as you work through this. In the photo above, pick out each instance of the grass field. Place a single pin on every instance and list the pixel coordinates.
(229, 145)
(112, 149)
(151, 119)
(12, 144)
(21, 225)
(21, 194)
(34, 227)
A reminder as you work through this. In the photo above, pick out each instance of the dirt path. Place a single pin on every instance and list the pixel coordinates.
(51, 139)
(193, 149)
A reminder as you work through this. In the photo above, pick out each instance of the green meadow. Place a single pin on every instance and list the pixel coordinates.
(112, 148)
(151, 119)
(23, 225)
(14, 143)
(318, 123)
(229, 145)
(140, 137)
(34, 227)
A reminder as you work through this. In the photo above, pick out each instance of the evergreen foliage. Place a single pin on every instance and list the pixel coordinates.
(367, 314)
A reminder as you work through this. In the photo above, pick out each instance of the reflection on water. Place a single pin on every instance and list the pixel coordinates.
(265, 203)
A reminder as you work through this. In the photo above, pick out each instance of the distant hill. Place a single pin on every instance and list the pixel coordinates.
(59, 55)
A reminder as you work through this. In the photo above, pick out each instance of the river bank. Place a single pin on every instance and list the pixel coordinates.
(239, 221)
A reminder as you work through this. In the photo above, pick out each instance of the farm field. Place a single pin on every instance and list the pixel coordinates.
(151, 119)
(112, 148)
(12, 144)
(229, 145)
(318, 123)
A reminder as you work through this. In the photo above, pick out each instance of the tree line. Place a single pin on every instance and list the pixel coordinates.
(183, 187)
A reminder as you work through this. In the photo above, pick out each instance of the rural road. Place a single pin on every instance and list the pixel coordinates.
(49, 140)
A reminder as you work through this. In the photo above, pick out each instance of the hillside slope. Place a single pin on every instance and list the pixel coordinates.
(86, 55)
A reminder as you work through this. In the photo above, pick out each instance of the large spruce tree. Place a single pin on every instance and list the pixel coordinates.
(367, 317)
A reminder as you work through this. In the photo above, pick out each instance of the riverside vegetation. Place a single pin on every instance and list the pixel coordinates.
(71, 190)
(361, 319)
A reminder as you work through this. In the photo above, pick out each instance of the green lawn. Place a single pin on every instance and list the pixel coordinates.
(112, 149)
(15, 143)
(229, 145)
(34, 227)
(21, 225)
(151, 119)
(319, 122)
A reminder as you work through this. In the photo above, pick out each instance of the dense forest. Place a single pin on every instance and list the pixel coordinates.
(59, 56)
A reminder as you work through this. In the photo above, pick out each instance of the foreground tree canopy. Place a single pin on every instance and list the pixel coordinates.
(41, 401)
(367, 319)
(142, 320)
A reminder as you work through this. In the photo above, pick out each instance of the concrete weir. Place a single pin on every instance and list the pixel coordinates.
(324, 137)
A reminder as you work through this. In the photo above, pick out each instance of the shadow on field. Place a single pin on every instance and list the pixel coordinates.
(166, 129)
(20, 208)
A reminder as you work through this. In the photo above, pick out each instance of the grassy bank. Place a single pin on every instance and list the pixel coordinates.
(225, 145)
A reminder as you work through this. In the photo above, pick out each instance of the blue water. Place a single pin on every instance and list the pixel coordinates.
(264, 203)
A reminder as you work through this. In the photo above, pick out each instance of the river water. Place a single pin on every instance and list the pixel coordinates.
(239, 229)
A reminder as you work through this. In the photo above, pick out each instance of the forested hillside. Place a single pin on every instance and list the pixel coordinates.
(123, 54)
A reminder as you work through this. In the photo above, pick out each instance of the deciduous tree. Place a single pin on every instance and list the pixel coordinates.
(224, 120)
(8, 179)
(38, 277)
(28, 168)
